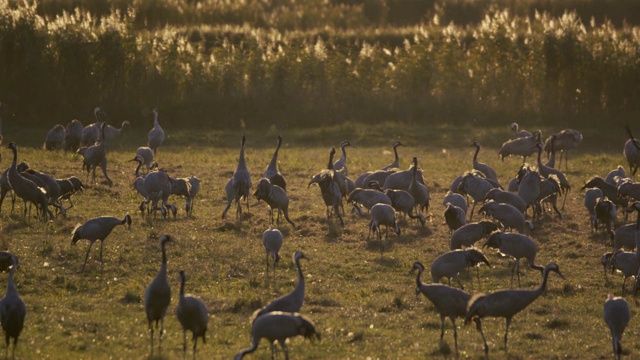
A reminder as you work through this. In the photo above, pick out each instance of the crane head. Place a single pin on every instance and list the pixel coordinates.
(127, 219)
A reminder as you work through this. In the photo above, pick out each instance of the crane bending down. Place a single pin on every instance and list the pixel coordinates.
(97, 229)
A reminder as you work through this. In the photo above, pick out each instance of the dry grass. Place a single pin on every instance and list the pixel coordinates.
(363, 303)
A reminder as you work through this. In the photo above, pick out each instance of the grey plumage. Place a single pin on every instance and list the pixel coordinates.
(383, 214)
(97, 229)
(519, 133)
(506, 197)
(507, 215)
(449, 264)
(484, 168)
(195, 189)
(608, 190)
(157, 295)
(291, 302)
(275, 197)
(112, 132)
(73, 135)
(54, 140)
(69, 187)
(329, 189)
(505, 303)
(94, 156)
(341, 164)
(146, 157)
(469, 234)
(523, 146)
(12, 312)
(611, 175)
(401, 180)
(155, 137)
(92, 132)
(630, 190)
(455, 199)
(606, 214)
(279, 326)
(529, 186)
(239, 185)
(368, 197)
(455, 217)
(52, 187)
(272, 173)
(517, 246)
(550, 190)
(627, 263)
(157, 187)
(26, 189)
(396, 162)
(546, 171)
(272, 240)
(475, 186)
(379, 176)
(631, 152)
(403, 202)
(418, 190)
(616, 316)
(565, 140)
(192, 315)
(625, 237)
(449, 302)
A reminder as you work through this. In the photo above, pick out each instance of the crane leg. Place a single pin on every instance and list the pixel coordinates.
(506, 334)
(184, 343)
(87, 256)
(442, 327)
(479, 327)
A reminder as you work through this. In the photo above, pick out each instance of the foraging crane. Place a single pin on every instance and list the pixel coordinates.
(475, 186)
(517, 246)
(26, 189)
(272, 173)
(192, 315)
(631, 152)
(157, 295)
(484, 168)
(341, 164)
(368, 198)
(506, 197)
(52, 187)
(92, 132)
(382, 214)
(239, 184)
(455, 199)
(591, 197)
(616, 316)
(54, 139)
(451, 263)
(146, 157)
(469, 234)
(97, 229)
(155, 137)
(272, 240)
(157, 185)
(519, 133)
(73, 135)
(193, 192)
(94, 156)
(529, 187)
(524, 146)
(403, 202)
(455, 217)
(563, 141)
(12, 311)
(630, 190)
(396, 162)
(449, 302)
(605, 214)
(68, 188)
(608, 190)
(506, 304)
(275, 197)
(291, 302)
(279, 326)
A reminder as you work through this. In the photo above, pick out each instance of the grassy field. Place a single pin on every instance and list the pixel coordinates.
(363, 303)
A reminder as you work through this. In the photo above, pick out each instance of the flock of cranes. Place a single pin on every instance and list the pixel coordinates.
(384, 194)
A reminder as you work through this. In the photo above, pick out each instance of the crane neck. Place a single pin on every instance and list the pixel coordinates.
(15, 157)
(330, 165)
(545, 275)
(419, 278)
(475, 156)
(274, 158)
(241, 162)
(300, 276)
(539, 156)
(344, 152)
(138, 169)
(164, 255)
(395, 151)
(11, 287)
(182, 286)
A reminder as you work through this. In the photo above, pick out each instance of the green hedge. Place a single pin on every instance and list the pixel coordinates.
(546, 69)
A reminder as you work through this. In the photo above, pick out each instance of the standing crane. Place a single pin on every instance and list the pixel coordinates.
(157, 296)
(239, 184)
(12, 311)
(192, 314)
(155, 137)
